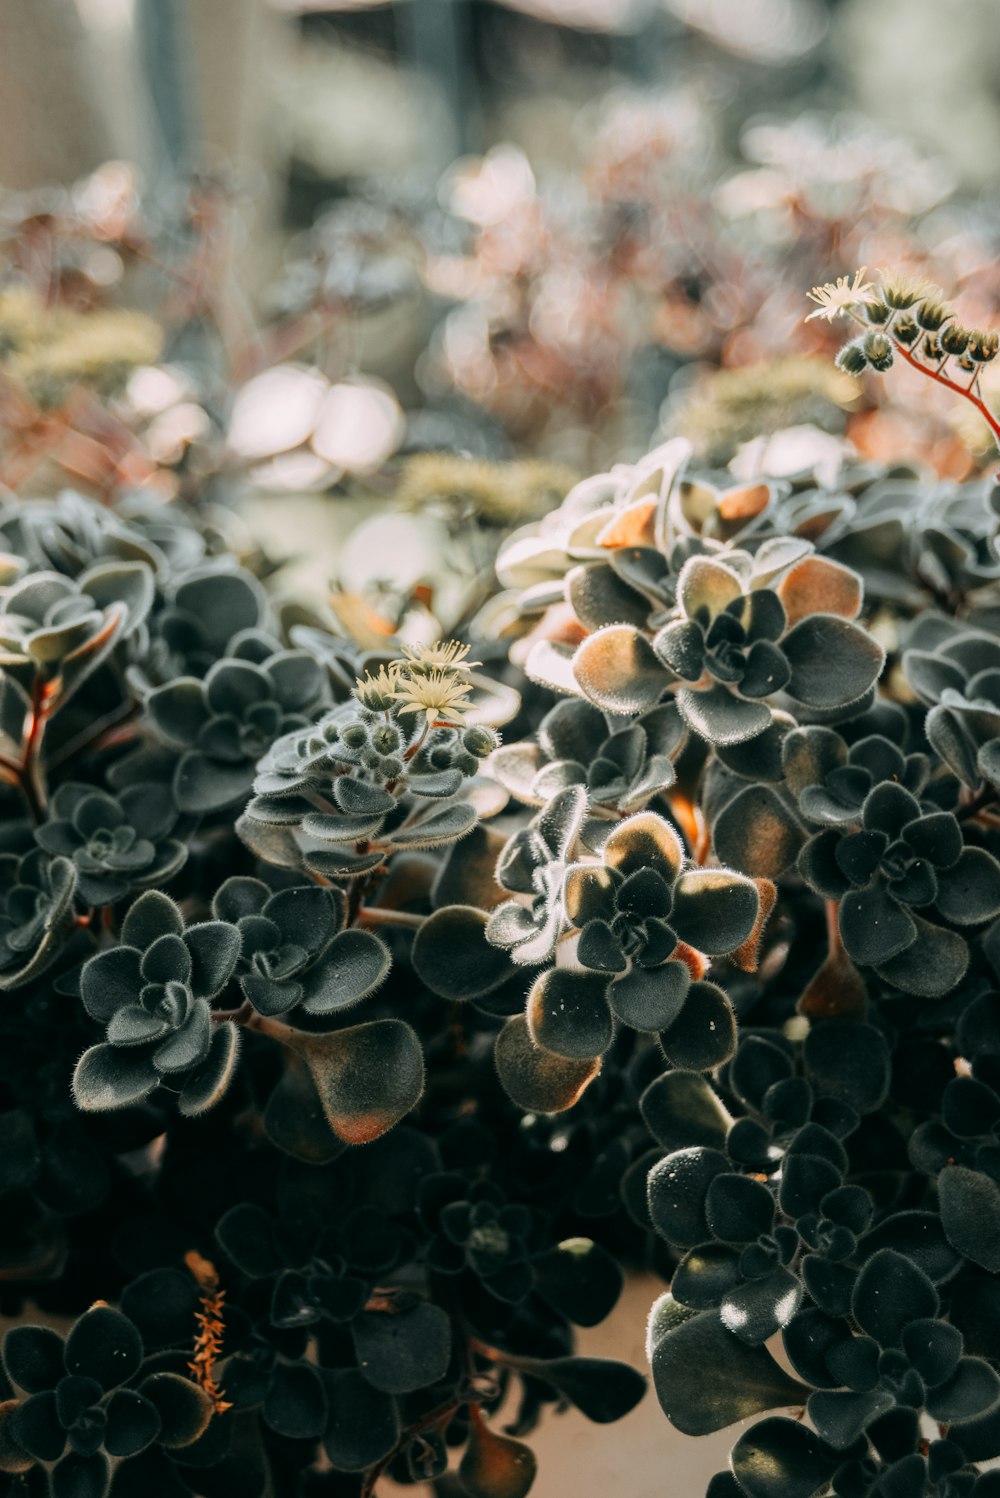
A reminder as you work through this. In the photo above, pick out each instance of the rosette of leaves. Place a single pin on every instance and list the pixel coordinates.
(966, 1133)
(646, 923)
(224, 724)
(734, 652)
(902, 1358)
(889, 861)
(115, 843)
(295, 950)
(361, 784)
(314, 1269)
(598, 515)
(36, 912)
(956, 671)
(86, 1405)
(533, 868)
(71, 533)
(756, 822)
(153, 994)
(54, 630)
(475, 1228)
(762, 1195)
(209, 610)
(741, 1277)
(359, 1308)
(503, 1246)
(621, 765)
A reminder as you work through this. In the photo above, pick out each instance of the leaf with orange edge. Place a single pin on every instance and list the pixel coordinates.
(817, 585)
(535, 1079)
(368, 1077)
(747, 956)
(495, 1466)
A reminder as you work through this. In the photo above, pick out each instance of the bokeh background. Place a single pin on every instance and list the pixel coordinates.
(377, 282)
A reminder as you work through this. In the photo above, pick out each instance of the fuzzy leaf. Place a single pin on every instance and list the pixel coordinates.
(601, 1388)
(353, 965)
(568, 1013)
(780, 1458)
(721, 717)
(681, 1109)
(495, 1466)
(703, 1035)
(402, 1350)
(650, 998)
(535, 1079)
(364, 1423)
(706, 1379)
(833, 661)
(580, 1279)
(368, 1077)
(107, 1078)
(970, 1212)
(104, 1345)
(617, 669)
(678, 1189)
(452, 956)
(756, 832)
(889, 1294)
(714, 910)
(848, 1061)
(296, 1404)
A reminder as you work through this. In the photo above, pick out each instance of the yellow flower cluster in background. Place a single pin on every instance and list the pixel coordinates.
(48, 350)
(733, 406)
(498, 493)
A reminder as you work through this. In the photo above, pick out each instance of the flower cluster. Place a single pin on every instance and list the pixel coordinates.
(907, 318)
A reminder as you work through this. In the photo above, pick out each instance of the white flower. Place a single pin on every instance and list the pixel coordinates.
(842, 296)
(447, 655)
(440, 694)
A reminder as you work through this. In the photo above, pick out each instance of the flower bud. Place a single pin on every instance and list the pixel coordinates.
(954, 339)
(480, 741)
(852, 358)
(386, 739)
(900, 293)
(932, 315)
(983, 346)
(905, 330)
(877, 312)
(878, 351)
(378, 693)
(355, 735)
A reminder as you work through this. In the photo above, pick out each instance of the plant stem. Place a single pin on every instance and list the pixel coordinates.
(438, 1416)
(966, 392)
(378, 917)
(32, 773)
(936, 374)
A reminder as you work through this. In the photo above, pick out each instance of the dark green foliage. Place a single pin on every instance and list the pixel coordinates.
(92, 1398)
(356, 1086)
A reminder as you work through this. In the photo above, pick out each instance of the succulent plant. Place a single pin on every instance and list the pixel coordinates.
(89, 1402)
(696, 972)
(153, 993)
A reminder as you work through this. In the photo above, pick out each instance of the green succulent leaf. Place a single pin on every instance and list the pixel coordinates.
(568, 1013)
(706, 1379)
(368, 1077)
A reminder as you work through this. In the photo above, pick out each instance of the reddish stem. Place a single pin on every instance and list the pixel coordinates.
(964, 391)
